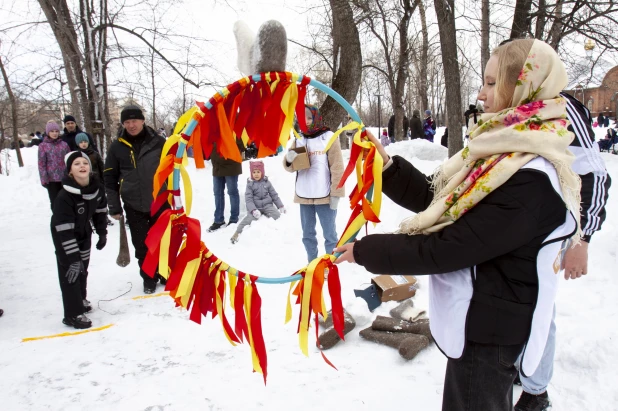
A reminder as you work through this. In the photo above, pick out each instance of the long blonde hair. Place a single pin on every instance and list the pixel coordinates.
(511, 59)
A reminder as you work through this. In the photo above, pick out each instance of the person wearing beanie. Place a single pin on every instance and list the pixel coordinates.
(261, 198)
(83, 145)
(51, 160)
(133, 159)
(416, 125)
(71, 130)
(80, 200)
(429, 126)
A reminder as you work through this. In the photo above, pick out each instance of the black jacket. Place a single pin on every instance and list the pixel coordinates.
(499, 238)
(416, 128)
(69, 138)
(130, 166)
(96, 161)
(70, 223)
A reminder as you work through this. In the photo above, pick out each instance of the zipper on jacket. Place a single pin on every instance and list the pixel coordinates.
(120, 189)
(122, 140)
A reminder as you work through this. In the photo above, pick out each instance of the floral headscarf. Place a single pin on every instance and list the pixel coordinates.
(318, 122)
(501, 143)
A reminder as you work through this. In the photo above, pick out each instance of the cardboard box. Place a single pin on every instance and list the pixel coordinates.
(395, 287)
(301, 161)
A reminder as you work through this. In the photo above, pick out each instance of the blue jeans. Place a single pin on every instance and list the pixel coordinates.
(537, 383)
(218, 185)
(327, 221)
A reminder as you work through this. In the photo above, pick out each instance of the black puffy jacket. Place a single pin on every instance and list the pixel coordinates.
(130, 166)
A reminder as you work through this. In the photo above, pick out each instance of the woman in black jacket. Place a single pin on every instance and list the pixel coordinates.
(491, 222)
(82, 198)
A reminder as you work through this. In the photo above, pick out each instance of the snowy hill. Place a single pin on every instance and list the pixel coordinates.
(154, 358)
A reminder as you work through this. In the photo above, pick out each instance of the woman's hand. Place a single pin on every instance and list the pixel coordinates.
(347, 253)
(379, 146)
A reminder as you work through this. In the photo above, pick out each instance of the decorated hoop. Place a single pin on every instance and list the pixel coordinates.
(259, 109)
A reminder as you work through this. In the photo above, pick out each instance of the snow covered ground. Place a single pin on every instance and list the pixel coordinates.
(154, 358)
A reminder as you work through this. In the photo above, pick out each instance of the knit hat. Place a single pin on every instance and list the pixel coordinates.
(81, 137)
(256, 165)
(68, 118)
(427, 112)
(51, 126)
(130, 113)
(74, 155)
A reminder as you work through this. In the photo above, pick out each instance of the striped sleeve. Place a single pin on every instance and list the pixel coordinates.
(63, 223)
(590, 167)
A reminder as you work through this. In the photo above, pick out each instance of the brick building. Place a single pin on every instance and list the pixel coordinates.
(601, 99)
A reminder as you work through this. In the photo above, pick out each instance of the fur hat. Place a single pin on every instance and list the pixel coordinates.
(74, 155)
(256, 165)
(81, 137)
(68, 118)
(416, 113)
(51, 126)
(427, 112)
(131, 113)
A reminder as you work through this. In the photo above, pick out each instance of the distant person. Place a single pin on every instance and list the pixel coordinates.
(416, 125)
(429, 126)
(606, 121)
(444, 139)
(51, 161)
(225, 174)
(601, 120)
(71, 129)
(261, 198)
(471, 114)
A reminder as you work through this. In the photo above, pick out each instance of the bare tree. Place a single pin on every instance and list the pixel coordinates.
(13, 102)
(445, 12)
(484, 36)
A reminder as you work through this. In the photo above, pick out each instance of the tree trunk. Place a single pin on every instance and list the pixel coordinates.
(540, 20)
(422, 88)
(484, 37)
(59, 17)
(521, 19)
(13, 102)
(347, 78)
(555, 33)
(445, 13)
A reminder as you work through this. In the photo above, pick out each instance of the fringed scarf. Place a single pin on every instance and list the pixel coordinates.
(502, 143)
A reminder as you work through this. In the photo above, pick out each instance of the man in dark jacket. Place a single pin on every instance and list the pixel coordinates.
(416, 125)
(225, 172)
(71, 129)
(130, 166)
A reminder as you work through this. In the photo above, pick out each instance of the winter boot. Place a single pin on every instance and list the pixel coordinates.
(110, 222)
(87, 305)
(150, 287)
(531, 402)
(234, 238)
(161, 279)
(80, 322)
(215, 226)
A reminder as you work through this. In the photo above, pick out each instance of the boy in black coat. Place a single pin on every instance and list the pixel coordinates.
(82, 198)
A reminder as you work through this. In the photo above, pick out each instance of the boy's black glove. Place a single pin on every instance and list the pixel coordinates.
(74, 271)
(102, 241)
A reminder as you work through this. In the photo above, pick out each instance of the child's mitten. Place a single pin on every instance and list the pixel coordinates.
(256, 214)
(282, 210)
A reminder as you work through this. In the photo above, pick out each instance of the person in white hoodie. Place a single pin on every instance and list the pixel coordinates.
(316, 186)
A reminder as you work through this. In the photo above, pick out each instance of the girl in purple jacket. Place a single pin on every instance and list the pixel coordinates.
(51, 160)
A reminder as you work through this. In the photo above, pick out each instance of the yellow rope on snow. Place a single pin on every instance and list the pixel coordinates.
(67, 334)
(141, 297)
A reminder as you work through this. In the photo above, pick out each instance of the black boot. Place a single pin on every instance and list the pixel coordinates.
(150, 287)
(531, 402)
(215, 226)
(80, 322)
(87, 305)
(161, 279)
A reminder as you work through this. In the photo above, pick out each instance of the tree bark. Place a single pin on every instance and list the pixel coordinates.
(445, 13)
(484, 36)
(347, 78)
(59, 18)
(539, 27)
(555, 33)
(13, 102)
(521, 19)
(422, 88)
